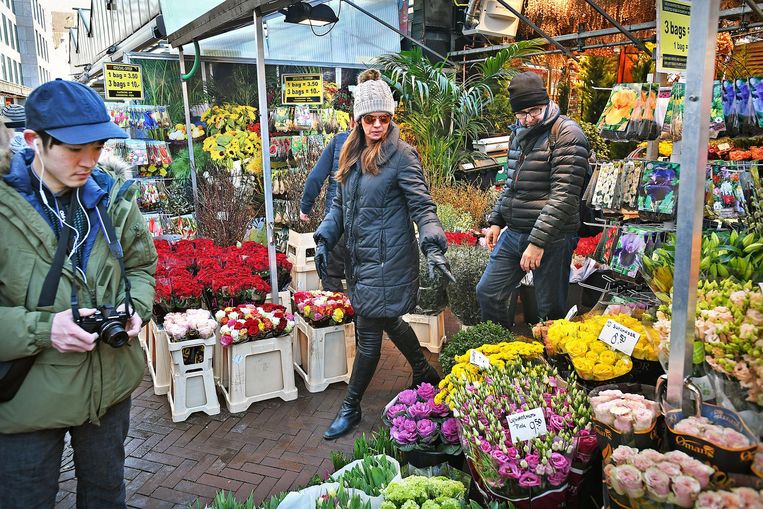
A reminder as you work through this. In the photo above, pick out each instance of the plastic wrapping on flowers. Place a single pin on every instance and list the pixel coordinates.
(324, 309)
(509, 466)
(498, 355)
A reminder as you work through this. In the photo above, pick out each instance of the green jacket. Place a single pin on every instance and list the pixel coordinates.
(68, 389)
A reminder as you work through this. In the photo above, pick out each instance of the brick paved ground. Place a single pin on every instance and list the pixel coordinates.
(272, 447)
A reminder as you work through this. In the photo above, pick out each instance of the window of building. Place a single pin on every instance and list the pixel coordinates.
(5, 32)
(19, 77)
(5, 75)
(15, 36)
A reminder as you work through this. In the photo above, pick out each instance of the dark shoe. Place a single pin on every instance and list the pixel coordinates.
(345, 421)
(404, 338)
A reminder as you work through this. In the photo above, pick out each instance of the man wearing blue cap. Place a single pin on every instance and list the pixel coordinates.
(73, 240)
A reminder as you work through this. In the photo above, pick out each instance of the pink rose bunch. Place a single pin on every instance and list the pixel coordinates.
(509, 464)
(324, 309)
(737, 498)
(626, 413)
(250, 322)
(417, 422)
(673, 477)
(721, 436)
(190, 324)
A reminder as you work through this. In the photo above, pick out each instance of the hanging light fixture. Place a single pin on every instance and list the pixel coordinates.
(305, 14)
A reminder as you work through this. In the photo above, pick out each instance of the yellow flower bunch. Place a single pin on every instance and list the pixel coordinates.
(593, 359)
(342, 119)
(498, 354)
(229, 117)
(234, 146)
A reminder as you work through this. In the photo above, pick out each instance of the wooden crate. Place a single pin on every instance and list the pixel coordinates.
(256, 371)
(321, 355)
(305, 278)
(158, 358)
(429, 329)
(284, 299)
(193, 387)
(300, 248)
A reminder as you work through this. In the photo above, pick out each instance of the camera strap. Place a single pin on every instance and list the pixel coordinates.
(50, 285)
(116, 249)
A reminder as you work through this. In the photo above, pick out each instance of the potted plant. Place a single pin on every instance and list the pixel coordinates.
(324, 342)
(424, 431)
(467, 263)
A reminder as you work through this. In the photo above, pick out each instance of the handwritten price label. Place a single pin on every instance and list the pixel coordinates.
(619, 337)
(527, 425)
(479, 359)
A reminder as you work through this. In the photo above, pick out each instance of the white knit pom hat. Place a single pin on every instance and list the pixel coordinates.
(371, 95)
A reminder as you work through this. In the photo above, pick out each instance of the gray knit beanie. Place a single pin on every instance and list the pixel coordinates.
(371, 95)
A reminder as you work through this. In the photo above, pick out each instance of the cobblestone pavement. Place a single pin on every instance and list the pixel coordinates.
(274, 446)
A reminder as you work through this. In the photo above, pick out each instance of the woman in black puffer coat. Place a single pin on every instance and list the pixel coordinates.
(381, 192)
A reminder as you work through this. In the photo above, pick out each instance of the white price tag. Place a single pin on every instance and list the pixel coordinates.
(479, 359)
(525, 426)
(724, 146)
(572, 312)
(619, 337)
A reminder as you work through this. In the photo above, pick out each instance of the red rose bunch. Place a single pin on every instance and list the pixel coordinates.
(460, 239)
(249, 322)
(324, 309)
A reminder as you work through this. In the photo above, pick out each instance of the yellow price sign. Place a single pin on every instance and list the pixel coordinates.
(672, 35)
(302, 89)
(123, 81)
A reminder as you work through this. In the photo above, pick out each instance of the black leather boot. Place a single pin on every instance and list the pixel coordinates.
(349, 414)
(404, 338)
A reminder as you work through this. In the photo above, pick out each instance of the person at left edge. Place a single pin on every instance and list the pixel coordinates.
(77, 383)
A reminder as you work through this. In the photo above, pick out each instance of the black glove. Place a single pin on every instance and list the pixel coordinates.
(436, 260)
(322, 260)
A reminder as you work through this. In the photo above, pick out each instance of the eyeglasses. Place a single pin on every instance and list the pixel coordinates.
(371, 119)
(532, 112)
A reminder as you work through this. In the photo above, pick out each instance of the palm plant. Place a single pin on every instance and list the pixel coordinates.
(442, 114)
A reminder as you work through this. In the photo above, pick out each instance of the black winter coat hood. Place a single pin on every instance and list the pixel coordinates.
(543, 189)
(375, 213)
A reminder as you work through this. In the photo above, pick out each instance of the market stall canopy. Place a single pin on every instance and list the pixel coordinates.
(354, 41)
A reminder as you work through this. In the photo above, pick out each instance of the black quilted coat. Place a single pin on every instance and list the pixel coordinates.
(542, 193)
(375, 213)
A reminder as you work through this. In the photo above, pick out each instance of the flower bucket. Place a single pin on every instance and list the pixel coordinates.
(610, 438)
(425, 459)
(646, 372)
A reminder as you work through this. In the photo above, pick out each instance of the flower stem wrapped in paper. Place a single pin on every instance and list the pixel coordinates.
(509, 463)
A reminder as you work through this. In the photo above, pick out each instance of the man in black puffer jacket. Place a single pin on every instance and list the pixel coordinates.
(547, 164)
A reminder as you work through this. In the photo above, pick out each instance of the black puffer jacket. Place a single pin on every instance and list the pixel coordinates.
(375, 212)
(543, 190)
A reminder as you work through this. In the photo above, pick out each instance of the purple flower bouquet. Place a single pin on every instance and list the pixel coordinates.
(417, 423)
(522, 467)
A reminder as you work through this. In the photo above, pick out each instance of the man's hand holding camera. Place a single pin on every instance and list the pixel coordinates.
(67, 336)
(134, 325)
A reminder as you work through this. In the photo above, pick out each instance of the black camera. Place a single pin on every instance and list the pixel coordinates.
(109, 324)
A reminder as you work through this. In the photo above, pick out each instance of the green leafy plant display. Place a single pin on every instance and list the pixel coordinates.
(162, 86)
(595, 140)
(417, 492)
(467, 264)
(371, 476)
(599, 72)
(473, 337)
(453, 219)
(338, 459)
(342, 500)
(443, 114)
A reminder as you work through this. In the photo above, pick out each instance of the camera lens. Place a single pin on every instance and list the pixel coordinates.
(114, 334)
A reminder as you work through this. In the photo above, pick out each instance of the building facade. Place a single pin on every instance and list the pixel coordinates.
(35, 43)
(13, 87)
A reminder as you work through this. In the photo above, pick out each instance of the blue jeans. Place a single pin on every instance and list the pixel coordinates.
(30, 463)
(503, 274)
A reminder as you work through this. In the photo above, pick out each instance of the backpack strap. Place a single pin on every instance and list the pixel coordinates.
(553, 135)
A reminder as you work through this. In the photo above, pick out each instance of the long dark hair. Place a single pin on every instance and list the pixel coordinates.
(355, 148)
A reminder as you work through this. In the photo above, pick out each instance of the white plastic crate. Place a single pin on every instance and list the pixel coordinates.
(256, 371)
(193, 386)
(300, 248)
(305, 278)
(284, 299)
(321, 355)
(429, 329)
(158, 358)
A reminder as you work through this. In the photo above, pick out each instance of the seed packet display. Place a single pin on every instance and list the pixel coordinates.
(642, 125)
(617, 113)
(282, 119)
(725, 196)
(607, 193)
(677, 95)
(728, 101)
(303, 118)
(632, 179)
(717, 121)
(604, 248)
(137, 151)
(756, 91)
(658, 191)
(630, 246)
(748, 122)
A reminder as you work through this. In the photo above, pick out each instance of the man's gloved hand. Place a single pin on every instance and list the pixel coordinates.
(436, 260)
(322, 260)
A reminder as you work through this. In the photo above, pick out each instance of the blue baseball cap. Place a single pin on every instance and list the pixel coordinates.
(70, 112)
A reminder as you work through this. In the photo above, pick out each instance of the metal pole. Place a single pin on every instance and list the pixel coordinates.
(535, 27)
(188, 130)
(691, 198)
(754, 6)
(414, 41)
(262, 96)
(625, 31)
